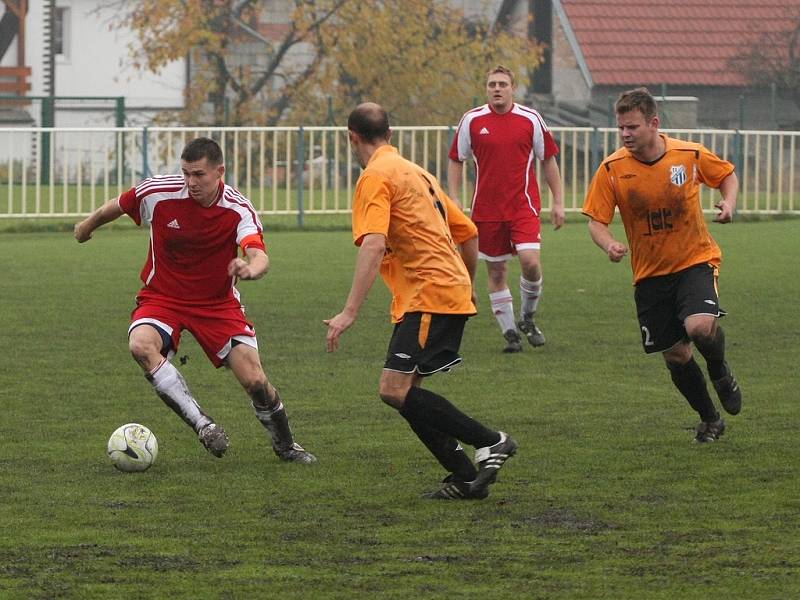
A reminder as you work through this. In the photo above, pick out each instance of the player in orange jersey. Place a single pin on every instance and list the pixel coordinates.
(426, 250)
(654, 181)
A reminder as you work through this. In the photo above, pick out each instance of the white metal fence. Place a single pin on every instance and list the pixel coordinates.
(67, 172)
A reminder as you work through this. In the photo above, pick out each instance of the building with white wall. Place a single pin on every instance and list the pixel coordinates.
(93, 59)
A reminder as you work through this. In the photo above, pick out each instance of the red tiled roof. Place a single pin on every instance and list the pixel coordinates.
(674, 42)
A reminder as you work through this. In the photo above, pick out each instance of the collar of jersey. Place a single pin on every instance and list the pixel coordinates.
(382, 150)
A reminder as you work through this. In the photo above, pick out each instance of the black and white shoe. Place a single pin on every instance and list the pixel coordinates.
(295, 453)
(453, 488)
(491, 459)
(214, 439)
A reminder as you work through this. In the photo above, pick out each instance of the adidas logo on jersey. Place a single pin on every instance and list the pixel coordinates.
(173, 224)
(484, 131)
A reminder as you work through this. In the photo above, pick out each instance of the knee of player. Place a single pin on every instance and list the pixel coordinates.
(143, 348)
(532, 271)
(392, 398)
(678, 355)
(702, 334)
(497, 275)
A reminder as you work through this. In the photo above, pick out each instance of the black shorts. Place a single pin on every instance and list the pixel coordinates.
(664, 302)
(425, 343)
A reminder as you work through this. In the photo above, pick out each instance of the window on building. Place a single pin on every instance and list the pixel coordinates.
(61, 37)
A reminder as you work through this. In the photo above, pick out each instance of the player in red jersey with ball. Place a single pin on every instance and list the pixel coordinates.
(197, 226)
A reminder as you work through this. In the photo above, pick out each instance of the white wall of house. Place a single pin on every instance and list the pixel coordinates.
(96, 62)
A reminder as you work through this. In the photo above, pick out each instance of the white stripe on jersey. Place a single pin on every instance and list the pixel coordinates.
(464, 139)
(538, 127)
(148, 206)
(155, 189)
(475, 190)
(153, 255)
(248, 219)
(159, 181)
(529, 169)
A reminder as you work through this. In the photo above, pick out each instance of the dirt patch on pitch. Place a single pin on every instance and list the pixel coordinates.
(565, 519)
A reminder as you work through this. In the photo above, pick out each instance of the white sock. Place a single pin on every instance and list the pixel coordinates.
(529, 292)
(503, 309)
(173, 390)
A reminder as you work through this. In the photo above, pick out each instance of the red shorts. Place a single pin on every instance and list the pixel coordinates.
(500, 240)
(214, 326)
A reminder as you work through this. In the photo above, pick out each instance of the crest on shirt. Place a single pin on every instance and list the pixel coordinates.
(677, 174)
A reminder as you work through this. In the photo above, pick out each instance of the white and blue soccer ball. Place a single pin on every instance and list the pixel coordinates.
(132, 447)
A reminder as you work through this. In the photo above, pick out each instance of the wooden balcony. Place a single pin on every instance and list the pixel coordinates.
(14, 81)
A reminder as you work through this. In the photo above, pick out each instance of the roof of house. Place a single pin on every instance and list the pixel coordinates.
(673, 42)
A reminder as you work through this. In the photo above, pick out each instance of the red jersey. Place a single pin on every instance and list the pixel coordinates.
(191, 245)
(505, 148)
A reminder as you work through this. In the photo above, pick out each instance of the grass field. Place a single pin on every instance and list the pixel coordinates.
(607, 497)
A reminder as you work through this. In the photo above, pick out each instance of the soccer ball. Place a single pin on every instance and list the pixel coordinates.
(132, 447)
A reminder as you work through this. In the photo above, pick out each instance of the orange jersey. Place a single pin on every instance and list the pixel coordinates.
(423, 227)
(659, 204)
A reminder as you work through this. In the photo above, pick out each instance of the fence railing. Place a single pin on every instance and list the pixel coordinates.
(68, 172)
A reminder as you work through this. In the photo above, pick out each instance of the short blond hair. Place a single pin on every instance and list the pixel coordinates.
(501, 69)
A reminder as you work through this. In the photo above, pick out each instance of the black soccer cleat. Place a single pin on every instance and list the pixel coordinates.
(728, 392)
(709, 432)
(295, 453)
(453, 488)
(513, 342)
(491, 459)
(531, 332)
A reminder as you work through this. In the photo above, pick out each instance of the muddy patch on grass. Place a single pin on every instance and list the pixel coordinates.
(430, 558)
(159, 562)
(564, 519)
(15, 568)
(28, 562)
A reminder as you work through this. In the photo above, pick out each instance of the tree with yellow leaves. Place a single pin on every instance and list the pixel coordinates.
(422, 59)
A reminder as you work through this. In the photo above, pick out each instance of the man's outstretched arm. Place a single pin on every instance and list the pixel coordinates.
(368, 264)
(110, 211)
